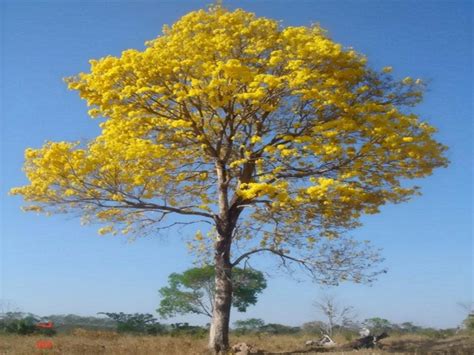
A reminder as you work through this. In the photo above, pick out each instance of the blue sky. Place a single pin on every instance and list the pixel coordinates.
(54, 265)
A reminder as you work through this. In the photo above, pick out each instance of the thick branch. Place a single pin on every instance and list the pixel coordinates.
(277, 252)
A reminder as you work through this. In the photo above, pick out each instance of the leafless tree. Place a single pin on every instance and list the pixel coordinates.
(335, 313)
(8, 306)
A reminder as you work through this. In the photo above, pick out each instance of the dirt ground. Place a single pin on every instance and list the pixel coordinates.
(91, 343)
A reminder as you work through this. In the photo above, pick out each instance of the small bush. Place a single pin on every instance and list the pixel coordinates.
(180, 329)
(138, 323)
(23, 324)
(469, 323)
(437, 333)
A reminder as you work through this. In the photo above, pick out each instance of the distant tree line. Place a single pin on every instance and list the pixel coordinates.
(137, 323)
(146, 324)
(375, 325)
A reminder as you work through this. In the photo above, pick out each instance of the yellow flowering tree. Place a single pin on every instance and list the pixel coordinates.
(278, 137)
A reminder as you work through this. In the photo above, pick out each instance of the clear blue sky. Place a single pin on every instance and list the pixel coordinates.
(53, 265)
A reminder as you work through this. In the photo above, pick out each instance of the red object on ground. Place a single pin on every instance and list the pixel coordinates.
(48, 325)
(44, 344)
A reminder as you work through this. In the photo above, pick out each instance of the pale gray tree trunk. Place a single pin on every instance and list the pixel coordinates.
(219, 332)
(225, 225)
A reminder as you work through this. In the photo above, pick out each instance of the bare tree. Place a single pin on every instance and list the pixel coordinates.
(468, 307)
(335, 313)
(8, 306)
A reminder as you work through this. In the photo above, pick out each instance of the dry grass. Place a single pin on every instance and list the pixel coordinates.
(91, 343)
(459, 344)
(101, 342)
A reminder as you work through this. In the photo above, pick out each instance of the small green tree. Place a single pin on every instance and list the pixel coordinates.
(250, 325)
(276, 329)
(468, 323)
(193, 291)
(409, 327)
(136, 323)
(23, 326)
(180, 329)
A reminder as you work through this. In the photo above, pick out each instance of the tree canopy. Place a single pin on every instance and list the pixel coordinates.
(308, 134)
(193, 291)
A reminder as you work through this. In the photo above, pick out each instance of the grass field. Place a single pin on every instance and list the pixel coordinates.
(102, 342)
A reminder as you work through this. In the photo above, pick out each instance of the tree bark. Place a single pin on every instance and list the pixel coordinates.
(219, 332)
(225, 225)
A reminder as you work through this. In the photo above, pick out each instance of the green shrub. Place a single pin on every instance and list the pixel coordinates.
(22, 324)
(469, 323)
(140, 323)
(179, 329)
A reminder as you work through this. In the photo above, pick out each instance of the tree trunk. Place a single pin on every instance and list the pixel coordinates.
(225, 225)
(219, 332)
